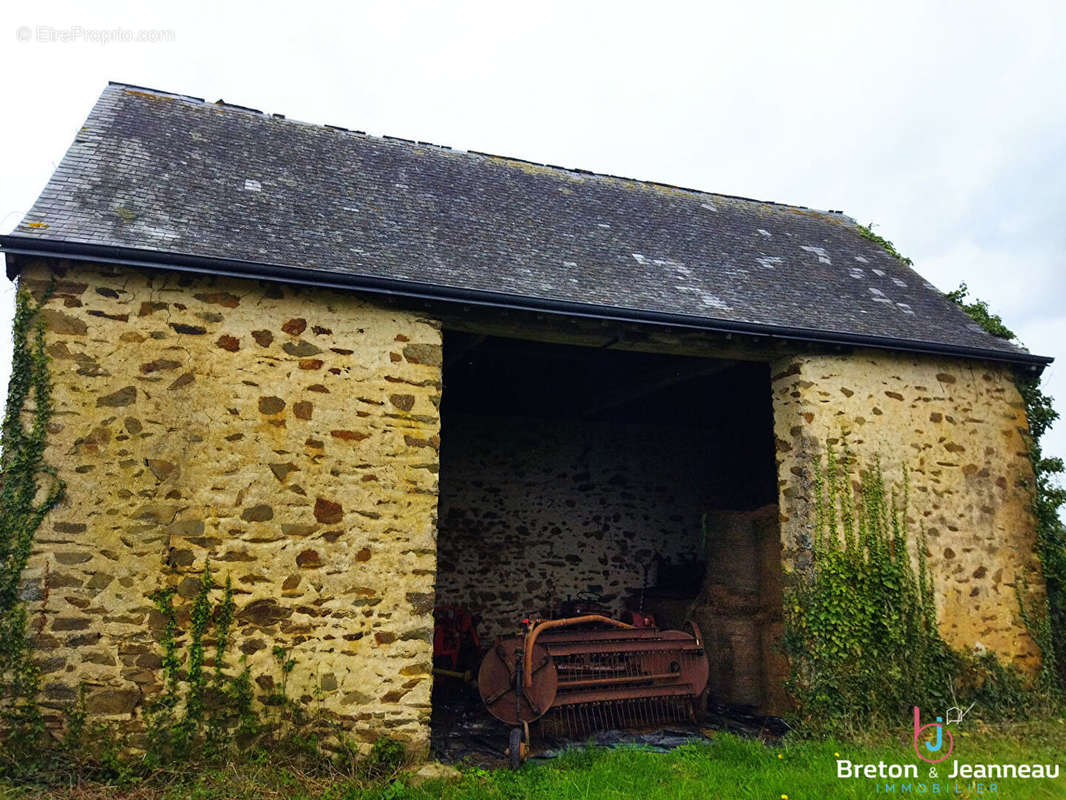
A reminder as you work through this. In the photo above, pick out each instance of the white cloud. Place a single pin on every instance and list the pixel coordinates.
(946, 124)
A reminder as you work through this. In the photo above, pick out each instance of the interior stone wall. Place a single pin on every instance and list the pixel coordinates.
(533, 511)
(288, 435)
(958, 428)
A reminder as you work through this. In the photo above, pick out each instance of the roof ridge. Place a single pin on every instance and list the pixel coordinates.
(578, 171)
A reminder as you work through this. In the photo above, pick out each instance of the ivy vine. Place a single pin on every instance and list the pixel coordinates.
(29, 489)
(861, 629)
(199, 716)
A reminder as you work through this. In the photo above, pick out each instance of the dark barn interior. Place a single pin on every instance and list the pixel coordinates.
(576, 479)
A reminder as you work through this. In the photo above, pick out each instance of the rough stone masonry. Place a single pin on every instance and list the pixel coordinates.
(958, 427)
(291, 437)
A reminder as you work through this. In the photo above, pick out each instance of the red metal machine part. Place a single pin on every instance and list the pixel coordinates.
(593, 672)
(456, 645)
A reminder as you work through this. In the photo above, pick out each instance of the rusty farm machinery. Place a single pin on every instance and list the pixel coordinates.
(586, 673)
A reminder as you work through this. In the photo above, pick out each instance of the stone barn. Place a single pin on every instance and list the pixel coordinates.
(365, 376)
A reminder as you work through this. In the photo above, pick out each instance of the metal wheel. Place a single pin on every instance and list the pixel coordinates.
(517, 748)
(500, 685)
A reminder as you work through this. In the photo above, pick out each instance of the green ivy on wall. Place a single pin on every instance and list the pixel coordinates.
(861, 629)
(199, 716)
(29, 489)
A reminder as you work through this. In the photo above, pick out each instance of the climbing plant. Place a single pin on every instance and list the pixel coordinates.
(1048, 622)
(861, 627)
(199, 715)
(29, 489)
(860, 617)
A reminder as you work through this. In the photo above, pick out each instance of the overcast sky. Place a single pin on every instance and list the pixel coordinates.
(943, 123)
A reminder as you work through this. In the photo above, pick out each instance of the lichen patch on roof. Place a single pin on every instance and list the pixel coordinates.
(164, 173)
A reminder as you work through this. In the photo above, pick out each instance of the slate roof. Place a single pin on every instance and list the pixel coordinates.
(173, 177)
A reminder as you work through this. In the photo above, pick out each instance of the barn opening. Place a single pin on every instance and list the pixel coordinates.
(577, 478)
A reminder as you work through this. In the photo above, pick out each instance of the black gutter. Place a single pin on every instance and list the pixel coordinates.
(238, 268)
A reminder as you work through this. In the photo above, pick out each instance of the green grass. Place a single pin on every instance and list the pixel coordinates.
(726, 767)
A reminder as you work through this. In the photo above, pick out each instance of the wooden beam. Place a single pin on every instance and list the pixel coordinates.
(587, 333)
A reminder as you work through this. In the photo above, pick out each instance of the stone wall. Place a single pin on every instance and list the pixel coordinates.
(288, 435)
(533, 511)
(291, 436)
(958, 427)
